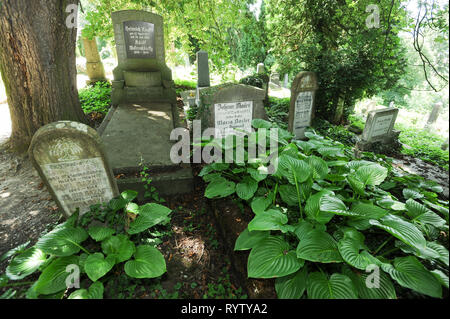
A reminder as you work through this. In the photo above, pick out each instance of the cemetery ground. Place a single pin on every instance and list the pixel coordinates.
(198, 242)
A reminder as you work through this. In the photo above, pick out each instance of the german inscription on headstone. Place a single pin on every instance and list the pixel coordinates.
(379, 124)
(139, 39)
(69, 158)
(230, 118)
(230, 108)
(303, 93)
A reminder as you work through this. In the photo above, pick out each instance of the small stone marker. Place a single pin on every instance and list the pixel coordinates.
(286, 81)
(379, 124)
(229, 107)
(434, 115)
(275, 79)
(203, 69)
(303, 94)
(70, 160)
(260, 68)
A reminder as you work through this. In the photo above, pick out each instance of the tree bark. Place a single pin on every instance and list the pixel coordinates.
(37, 63)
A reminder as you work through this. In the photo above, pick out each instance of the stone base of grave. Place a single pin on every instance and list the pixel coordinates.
(137, 135)
(386, 145)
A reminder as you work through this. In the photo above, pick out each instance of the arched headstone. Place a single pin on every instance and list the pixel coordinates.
(69, 158)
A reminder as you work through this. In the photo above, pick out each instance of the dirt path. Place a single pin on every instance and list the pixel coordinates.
(26, 207)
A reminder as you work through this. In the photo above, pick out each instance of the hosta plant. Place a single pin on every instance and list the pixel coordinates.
(90, 249)
(327, 225)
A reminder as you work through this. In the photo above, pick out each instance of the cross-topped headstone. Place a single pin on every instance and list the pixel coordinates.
(70, 159)
(303, 93)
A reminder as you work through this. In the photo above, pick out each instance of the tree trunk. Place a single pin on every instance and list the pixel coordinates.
(37, 63)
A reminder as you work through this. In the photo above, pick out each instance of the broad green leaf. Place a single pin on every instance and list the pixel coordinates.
(272, 258)
(149, 215)
(148, 263)
(247, 188)
(99, 233)
(269, 220)
(331, 152)
(410, 273)
(53, 278)
(256, 174)
(422, 215)
(319, 246)
(129, 195)
(369, 286)
(132, 208)
(312, 208)
(248, 239)
(356, 184)
(441, 277)
(17, 250)
(95, 291)
(292, 286)
(119, 247)
(220, 188)
(289, 194)
(260, 204)
(62, 241)
(117, 203)
(401, 229)
(372, 175)
(411, 194)
(25, 263)
(365, 210)
(338, 286)
(332, 204)
(260, 123)
(350, 250)
(296, 171)
(96, 265)
(441, 251)
(319, 167)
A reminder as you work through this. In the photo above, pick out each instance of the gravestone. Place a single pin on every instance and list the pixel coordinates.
(275, 79)
(142, 74)
(286, 81)
(379, 129)
(94, 65)
(203, 79)
(137, 131)
(260, 68)
(229, 107)
(434, 115)
(70, 159)
(301, 111)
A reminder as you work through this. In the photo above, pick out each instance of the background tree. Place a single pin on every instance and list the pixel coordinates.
(331, 38)
(37, 63)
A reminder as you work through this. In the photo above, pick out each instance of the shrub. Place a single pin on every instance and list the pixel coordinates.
(120, 245)
(96, 98)
(324, 219)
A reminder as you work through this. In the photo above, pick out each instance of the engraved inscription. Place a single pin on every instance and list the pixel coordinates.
(231, 116)
(139, 39)
(303, 110)
(382, 125)
(79, 183)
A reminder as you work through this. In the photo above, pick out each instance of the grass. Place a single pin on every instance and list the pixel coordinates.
(424, 145)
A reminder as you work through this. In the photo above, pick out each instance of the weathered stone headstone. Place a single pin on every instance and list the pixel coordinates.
(275, 79)
(203, 79)
(142, 73)
(229, 107)
(286, 81)
(70, 159)
(138, 129)
(303, 94)
(260, 68)
(94, 65)
(379, 128)
(434, 115)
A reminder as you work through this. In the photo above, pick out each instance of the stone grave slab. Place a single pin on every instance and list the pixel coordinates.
(301, 111)
(140, 134)
(379, 129)
(70, 159)
(230, 106)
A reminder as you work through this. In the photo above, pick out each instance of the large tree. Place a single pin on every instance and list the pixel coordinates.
(37, 63)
